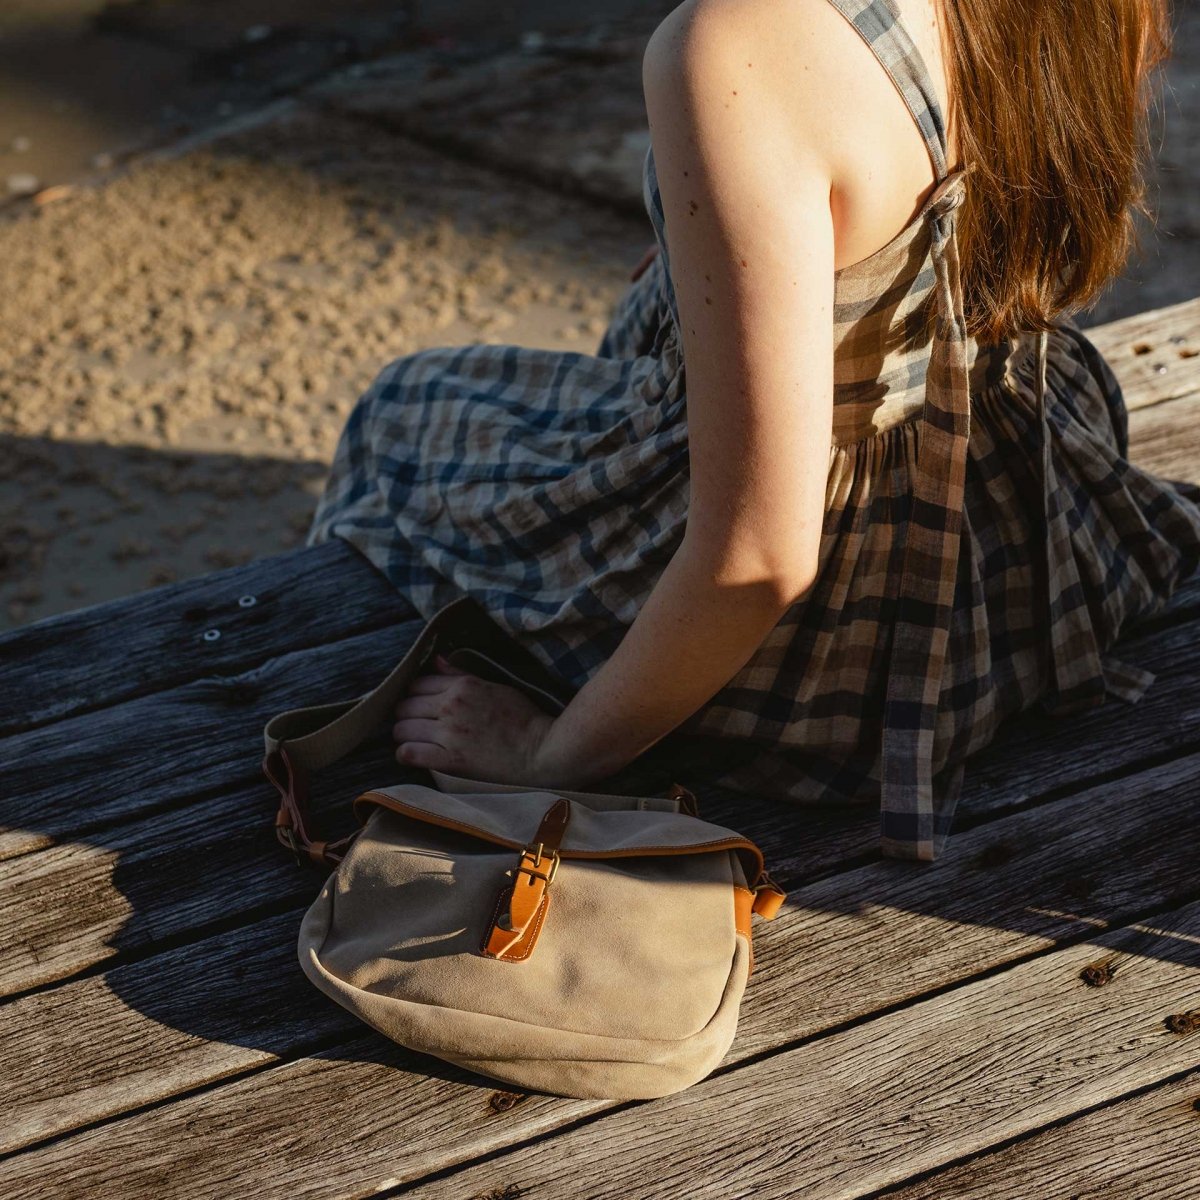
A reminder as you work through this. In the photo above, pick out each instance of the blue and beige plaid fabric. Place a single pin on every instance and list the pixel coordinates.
(985, 537)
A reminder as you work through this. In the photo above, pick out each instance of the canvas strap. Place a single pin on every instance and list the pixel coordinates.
(303, 741)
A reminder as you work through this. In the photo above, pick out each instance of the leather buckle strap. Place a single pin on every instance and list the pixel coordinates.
(538, 853)
(521, 907)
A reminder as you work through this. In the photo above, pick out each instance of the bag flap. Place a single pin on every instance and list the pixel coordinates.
(511, 818)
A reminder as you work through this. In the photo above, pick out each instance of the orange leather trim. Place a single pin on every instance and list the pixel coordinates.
(498, 943)
(522, 909)
(528, 890)
(767, 903)
(743, 902)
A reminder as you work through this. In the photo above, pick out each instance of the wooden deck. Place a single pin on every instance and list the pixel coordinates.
(1021, 1019)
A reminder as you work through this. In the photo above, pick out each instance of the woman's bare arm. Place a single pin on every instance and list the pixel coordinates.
(746, 189)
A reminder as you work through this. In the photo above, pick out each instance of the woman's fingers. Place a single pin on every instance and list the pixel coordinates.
(425, 685)
(424, 755)
(419, 729)
(420, 706)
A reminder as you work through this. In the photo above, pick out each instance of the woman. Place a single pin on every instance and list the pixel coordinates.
(887, 504)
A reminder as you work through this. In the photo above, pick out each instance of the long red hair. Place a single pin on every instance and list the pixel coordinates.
(1050, 101)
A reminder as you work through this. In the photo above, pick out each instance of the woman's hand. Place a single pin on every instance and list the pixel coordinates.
(456, 722)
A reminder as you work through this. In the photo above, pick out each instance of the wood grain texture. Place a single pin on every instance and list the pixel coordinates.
(863, 1109)
(71, 906)
(97, 1047)
(1154, 354)
(135, 884)
(1165, 438)
(127, 888)
(866, 940)
(842, 949)
(167, 870)
(153, 641)
(858, 1110)
(1144, 1148)
(156, 752)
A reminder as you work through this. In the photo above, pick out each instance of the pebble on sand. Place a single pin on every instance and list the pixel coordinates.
(23, 184)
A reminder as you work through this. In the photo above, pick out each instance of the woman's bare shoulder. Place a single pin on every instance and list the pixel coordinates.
(812, 78)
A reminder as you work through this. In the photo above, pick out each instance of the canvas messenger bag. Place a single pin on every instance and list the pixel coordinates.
(587, 945)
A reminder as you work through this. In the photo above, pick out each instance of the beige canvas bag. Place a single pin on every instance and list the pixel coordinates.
(587, 945)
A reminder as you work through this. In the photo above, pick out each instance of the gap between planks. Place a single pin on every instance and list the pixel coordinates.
(170, 747)
(163, 879)
(904, 1093)
(271, 606)
(823, 946)
(1143, 1147)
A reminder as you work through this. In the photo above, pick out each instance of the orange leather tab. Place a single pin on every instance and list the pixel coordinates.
(528, 889)
(553, 825)
(501, 943)
(767, 904)
(687, 799)
(521, 909)
(768, 896)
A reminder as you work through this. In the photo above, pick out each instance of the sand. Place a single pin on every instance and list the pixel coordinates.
(189, 321)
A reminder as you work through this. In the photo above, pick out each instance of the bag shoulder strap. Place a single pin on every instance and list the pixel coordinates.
(302, 741)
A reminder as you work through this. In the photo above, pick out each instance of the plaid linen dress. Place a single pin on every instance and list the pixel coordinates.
(985, 538)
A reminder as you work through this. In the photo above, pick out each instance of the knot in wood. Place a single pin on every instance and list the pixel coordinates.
(501, 1102)
(511, 1191)
(1098, 974)
(1185, 1022)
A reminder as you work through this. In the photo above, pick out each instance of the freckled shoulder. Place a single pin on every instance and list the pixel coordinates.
(779, 60)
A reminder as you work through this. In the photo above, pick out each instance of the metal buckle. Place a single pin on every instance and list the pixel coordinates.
(538, 854)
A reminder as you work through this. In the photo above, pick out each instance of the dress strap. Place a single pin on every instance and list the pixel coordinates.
(879, 25)
(915, 808)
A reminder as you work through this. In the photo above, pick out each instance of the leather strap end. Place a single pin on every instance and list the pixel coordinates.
(521, 908)
(768, 897)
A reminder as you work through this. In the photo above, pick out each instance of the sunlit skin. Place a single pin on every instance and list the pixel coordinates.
(783, 153)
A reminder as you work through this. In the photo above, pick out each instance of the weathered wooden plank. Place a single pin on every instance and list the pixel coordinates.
(221, 1006)
(126, 888)
(1143, 1148)
(155, 752)
(152, 641)
(1155, 354)
(1165, 438)
(874, 1105)
(1037, 754)
(173, 875)
(875, 937)
(844, 948)
(952, 1075)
